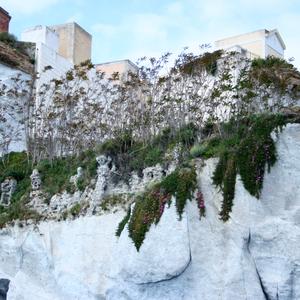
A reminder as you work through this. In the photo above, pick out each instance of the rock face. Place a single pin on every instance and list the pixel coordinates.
(255, 255)
(4, 285)
(7, 188)
(13, 83)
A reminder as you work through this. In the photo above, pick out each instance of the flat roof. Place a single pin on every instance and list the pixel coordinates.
(265, 31)
(238, 35)
(71, 23)
(118, 61)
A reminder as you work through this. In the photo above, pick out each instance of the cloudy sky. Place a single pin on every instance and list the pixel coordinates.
(134, 28)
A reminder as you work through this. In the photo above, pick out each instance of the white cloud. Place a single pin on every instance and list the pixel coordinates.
(193, 22)
(26, 6)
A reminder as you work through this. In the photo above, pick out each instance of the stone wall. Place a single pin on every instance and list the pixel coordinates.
(15, 59)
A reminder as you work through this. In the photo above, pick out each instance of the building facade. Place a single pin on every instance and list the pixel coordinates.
(75, 44)
(261, 43)
(120, 68)
(4, 20)
(49, 63)
(58, 49)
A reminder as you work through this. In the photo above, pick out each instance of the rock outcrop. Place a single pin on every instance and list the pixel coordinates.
(255, 255)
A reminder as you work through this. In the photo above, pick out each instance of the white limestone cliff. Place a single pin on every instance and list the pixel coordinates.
(13, 83)
(255, 255)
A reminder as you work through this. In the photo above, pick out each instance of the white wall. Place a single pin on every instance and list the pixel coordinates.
(47, 45)
(273, 42)
(48, 57)
(41, 34)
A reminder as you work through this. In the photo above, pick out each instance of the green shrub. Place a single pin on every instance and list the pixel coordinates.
(17, 211)
(149, 206)
(130, 155)
(114, 200)
(56, 175)
(18, 166)
(198, 149)
(75, 209)
(208, 148)
(123, 223)
(269, 62)
(206, 61)
(273, 71)
(8, 38)
(247, 149)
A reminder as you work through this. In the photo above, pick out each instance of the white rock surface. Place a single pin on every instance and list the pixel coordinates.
(255, 255)
(153, 263)
(13, 82)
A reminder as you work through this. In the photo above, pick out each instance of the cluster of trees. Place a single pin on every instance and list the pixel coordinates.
(86, 107)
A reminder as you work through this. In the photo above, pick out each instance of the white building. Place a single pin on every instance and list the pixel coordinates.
(58, 49)
(47, 45)
(261, 43)
(122, 68)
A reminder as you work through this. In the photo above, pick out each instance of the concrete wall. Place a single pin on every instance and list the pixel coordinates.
(260, 43)
(49, 57)
(47, 47)
(82, 45)
(253, 42)
(74, 42)
(272, 52)
(41, 34)
(66, 45)
(123, 67)
(273, 46)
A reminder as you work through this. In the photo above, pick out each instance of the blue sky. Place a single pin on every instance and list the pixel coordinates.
(134, 28)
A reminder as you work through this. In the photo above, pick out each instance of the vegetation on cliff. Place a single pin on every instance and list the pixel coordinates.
(153, 119)
(149, 206)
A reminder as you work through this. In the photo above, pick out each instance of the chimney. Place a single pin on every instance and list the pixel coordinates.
(4, 20)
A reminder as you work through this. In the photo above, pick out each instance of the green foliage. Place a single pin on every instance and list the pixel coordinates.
(75, 209)
(114, 200)
(186, 135)
(149, 206)
(56, 175)
(18, 166)
(209, 148)
(206, 61)
(8, 38)
(197, 150)
(257, 150)
(55, 179)
(272, 71)
(17, 211)
(270, 62)
(123, 223)
(247, 149)
(127, 154)
(225, 177)
(130, 155)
